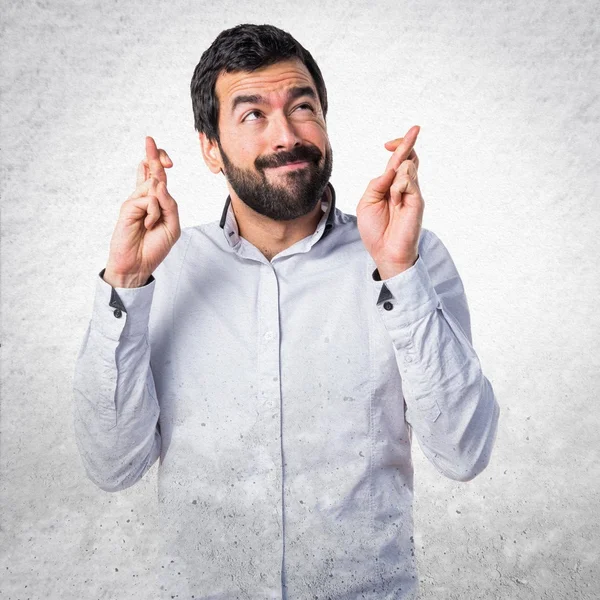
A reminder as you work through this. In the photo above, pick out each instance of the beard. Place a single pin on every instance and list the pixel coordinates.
(299, 191)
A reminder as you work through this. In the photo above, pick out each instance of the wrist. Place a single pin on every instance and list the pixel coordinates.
(124, 280)
(389, 270)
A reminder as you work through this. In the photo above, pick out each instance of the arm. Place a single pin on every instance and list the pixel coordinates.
(450, 404)
(116, 412)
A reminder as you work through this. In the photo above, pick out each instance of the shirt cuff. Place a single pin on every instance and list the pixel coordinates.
(407, 297)
(122, 311)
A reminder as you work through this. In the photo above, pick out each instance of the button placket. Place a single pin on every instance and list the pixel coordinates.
(269, 399)
(269, 367)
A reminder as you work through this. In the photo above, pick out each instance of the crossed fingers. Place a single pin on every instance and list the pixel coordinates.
(154, 165)
(403, 149)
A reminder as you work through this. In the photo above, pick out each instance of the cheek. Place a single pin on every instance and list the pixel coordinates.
(239, 145)
(241, 152)
(316, 133)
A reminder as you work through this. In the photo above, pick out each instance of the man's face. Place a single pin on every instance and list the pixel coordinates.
(273, 140)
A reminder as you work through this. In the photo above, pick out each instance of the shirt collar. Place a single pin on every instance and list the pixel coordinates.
(229, 224)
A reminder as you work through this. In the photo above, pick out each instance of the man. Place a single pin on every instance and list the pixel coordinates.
(281, 357)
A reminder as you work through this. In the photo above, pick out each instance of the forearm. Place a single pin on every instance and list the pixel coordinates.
(450, 404)
(115, 406)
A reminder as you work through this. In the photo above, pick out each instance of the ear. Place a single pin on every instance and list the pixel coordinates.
(210, 153)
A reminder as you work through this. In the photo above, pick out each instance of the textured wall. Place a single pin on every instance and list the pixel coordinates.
(507, 97)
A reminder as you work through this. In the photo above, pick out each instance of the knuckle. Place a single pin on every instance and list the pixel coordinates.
(127, 208)
(409, 167)
(397, 188)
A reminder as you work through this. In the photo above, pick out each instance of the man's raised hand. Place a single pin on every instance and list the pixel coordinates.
(148, 224)
(390, 213)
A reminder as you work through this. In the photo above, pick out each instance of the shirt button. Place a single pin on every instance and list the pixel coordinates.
(408, 359)
(388, 305)
(269, 335)
(117, 312)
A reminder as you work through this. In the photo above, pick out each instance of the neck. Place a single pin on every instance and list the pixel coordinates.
(269, 236)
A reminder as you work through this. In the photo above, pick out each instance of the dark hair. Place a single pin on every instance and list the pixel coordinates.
(244, 48)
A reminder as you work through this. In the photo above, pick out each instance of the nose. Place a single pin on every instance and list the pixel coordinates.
(283, 134)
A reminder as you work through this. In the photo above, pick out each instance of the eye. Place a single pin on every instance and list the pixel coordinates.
(305, 106)
(253, 115)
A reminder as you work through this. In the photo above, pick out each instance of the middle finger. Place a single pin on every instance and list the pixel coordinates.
(153, 159)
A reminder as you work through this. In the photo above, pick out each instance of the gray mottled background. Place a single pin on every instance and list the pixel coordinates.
(507, 96)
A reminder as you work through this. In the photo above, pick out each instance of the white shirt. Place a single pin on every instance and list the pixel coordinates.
(281, 398)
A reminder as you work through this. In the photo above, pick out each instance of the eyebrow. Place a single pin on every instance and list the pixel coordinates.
(293, 94)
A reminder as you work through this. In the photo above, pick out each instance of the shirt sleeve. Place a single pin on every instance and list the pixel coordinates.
(450, 404)
(115, 412)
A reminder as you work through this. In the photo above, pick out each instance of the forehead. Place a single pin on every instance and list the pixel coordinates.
(273, 79)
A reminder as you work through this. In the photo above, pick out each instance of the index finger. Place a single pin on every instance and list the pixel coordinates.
(153, 158)
(404, 148)
(393, 144)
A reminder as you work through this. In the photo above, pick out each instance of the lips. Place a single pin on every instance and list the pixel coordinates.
(292, 165)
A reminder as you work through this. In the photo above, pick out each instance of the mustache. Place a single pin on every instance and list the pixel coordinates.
(301, 153)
